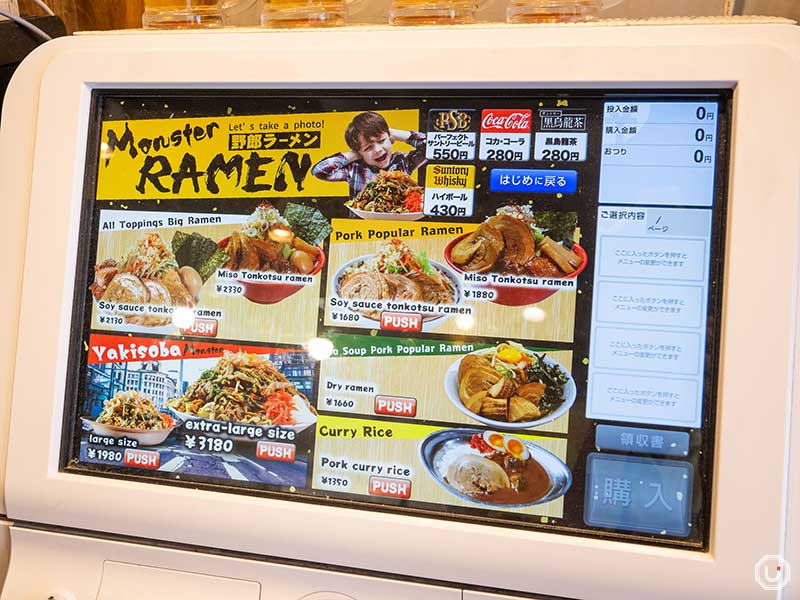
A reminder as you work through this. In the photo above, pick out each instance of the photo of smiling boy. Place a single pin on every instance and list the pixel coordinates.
(370, 140)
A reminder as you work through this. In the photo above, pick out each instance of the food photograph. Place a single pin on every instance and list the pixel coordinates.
(245, 388)
(365, 255)
(494, 469)
(518, 242)
(205, 408)
(225, 271)
(132, 415)
(150, 277)
(272, 242)
(449, 466)
(510, 387)
(391, 196)
(396, 272)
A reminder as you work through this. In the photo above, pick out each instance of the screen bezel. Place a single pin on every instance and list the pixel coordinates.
(570, 525)
(38, 492)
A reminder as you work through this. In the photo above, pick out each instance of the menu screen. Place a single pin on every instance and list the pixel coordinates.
(500, 307)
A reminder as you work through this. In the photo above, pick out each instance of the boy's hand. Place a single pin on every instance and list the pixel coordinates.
(398, 135)
(351, 156)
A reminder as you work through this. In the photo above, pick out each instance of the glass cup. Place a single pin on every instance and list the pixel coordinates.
(305, 13)
(181, 14)
(241, 13)
(433, 12)
(556, 11)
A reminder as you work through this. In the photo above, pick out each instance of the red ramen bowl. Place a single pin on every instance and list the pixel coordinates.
(263, 292)
(514, 295)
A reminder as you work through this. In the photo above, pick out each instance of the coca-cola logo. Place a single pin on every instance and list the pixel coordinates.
(506, 120)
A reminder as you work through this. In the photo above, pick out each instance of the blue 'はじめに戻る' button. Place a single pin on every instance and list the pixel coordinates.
(539, 181)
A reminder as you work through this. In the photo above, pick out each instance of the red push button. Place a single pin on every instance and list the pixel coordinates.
(397, 406)
(276, 451)
(399, 321)
(202, 328)
(143, 459)
(392, 488)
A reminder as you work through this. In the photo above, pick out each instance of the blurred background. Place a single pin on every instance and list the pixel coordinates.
(88, 15)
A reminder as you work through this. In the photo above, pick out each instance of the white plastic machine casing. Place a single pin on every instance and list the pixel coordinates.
(43, 153)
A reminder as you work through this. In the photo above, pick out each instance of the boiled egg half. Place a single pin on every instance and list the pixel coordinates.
(516, 448)
(495, 440)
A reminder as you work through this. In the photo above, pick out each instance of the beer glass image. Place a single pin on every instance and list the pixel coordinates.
(556, 11)
(432, 12)
(181, 14)
(305, 13)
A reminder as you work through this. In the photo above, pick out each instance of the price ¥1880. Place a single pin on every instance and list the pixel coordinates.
(480, 294)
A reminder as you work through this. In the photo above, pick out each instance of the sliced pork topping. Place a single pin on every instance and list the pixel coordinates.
(126, 288)
(403, 288)
(365, 286)
(516, 241)
(433, 289)
(518, 238)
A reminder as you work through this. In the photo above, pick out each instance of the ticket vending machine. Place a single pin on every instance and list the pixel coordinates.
(480, 313)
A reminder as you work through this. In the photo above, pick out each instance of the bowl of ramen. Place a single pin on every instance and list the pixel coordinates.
(510, 387)
(145, 287)
(494, 469)
(525, 258)
(396, 273)
(270, 258)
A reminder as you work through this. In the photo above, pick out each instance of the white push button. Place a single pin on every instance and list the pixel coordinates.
(326, 596)
(122, 581)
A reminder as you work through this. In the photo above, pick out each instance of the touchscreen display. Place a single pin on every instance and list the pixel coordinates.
(490, 306)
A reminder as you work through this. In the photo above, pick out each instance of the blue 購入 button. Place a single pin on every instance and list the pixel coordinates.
(646, 495)
(640, 440)
(539, 181)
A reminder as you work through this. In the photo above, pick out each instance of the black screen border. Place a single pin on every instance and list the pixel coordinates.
(81, 314)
